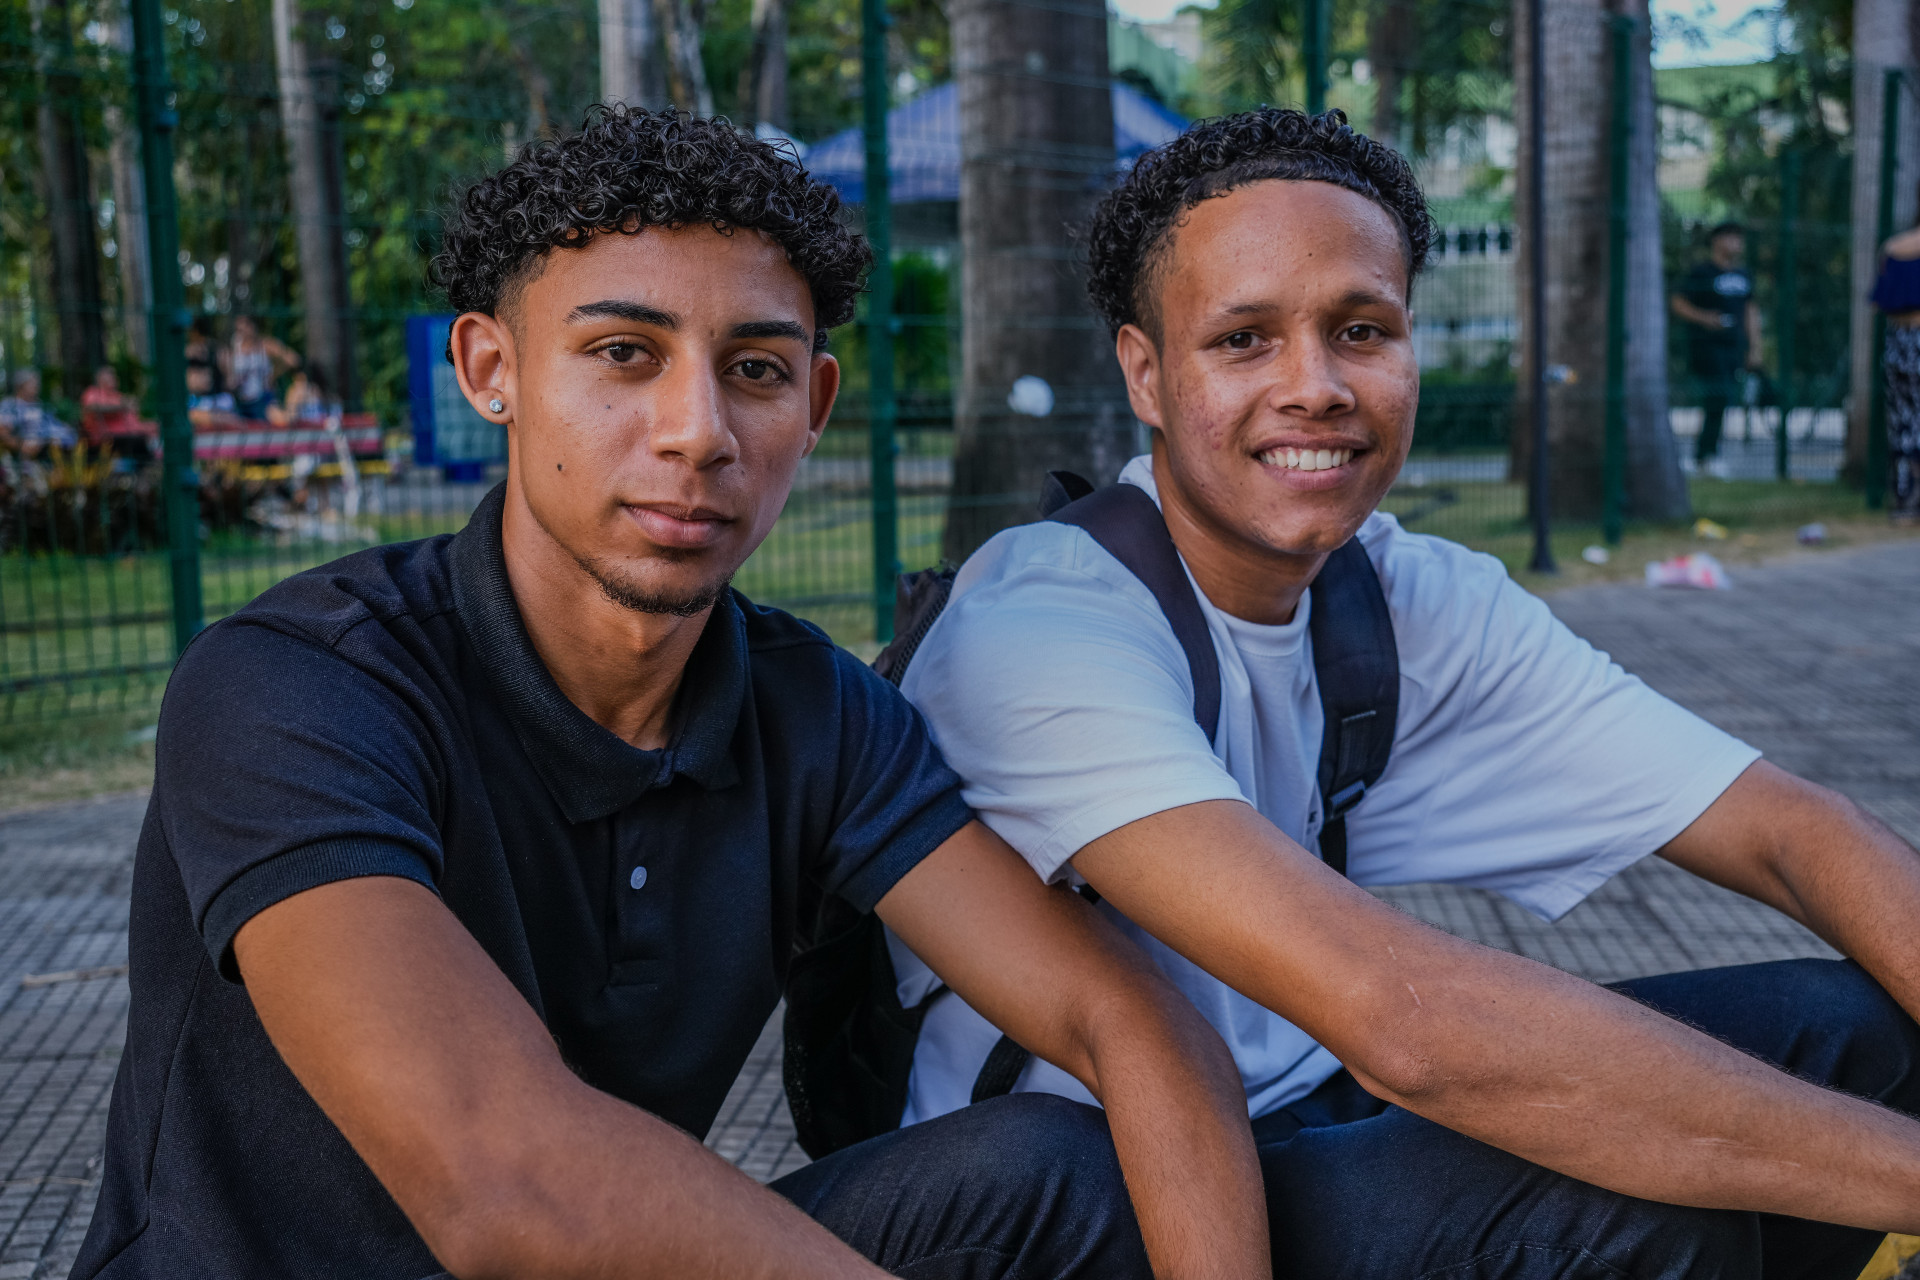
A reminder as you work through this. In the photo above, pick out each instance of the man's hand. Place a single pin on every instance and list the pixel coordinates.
(1523, 1057)
(1699, 317)
(1816, 856)
(422, 1053)
(1042, 965)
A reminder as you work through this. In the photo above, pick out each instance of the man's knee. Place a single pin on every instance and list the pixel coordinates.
(1026, 1184)
(1824, 1020)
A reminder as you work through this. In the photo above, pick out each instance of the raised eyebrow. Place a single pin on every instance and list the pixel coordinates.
(623, 309)
(772, 329)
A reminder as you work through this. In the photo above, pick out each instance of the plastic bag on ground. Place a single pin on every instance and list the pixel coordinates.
(1696, 569)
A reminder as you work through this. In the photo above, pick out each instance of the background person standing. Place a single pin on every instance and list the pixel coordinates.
(1715, 299)
(1897, 293)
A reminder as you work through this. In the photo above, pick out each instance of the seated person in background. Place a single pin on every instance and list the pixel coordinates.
(105, 411)
(306, 402)
(254, 360)
(27, 420)
(474, 865)
(1423, 1106)
(207, 394)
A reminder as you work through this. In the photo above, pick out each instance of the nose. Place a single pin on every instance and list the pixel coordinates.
(1308, 381)
(690, 424)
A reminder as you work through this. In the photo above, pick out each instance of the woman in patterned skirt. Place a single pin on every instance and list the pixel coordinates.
(1897, 294)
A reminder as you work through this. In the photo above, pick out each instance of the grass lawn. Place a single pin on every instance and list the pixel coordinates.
(98, 627)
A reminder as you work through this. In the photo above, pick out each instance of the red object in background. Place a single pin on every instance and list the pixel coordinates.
(227, 435)
(106, 415)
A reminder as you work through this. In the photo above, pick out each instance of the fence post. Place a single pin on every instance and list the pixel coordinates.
(1613, 464)
(1876, 473)
(880, 400)
(1541, 487)
(1786, 316)
(1313, 52)
(179, 477)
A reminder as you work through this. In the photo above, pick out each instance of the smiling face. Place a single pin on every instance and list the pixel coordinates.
(660, 390)
(1283, 382)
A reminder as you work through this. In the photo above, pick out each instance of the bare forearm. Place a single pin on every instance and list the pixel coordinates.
(1816, 856)
(1178, 1115)
(1585, 1082)
(1520, 1056)
(602, 1190)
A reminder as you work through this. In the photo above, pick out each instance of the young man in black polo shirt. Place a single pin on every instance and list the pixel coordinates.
(473, 865)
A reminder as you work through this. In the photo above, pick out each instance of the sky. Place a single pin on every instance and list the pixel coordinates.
(1728, 38)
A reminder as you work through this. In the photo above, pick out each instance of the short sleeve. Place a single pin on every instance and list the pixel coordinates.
(895, 800)
(1527, 762)
(1056, 688)
(281, 767)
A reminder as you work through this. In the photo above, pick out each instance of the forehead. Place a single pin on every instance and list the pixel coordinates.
(690, 270)
(1286, 236)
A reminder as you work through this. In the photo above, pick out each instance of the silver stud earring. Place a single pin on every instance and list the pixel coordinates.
(497, 405)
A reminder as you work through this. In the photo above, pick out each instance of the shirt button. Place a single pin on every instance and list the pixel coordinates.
(639, 878)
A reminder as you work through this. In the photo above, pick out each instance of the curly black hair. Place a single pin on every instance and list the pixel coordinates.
(628, 169)
(1132, 227)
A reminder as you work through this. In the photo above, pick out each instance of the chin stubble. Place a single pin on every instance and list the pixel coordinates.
(629, 596)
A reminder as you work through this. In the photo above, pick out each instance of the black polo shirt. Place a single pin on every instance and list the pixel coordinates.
(387, 715)
(1726, 290)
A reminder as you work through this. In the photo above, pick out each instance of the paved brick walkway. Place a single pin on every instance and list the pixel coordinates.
(1816, 661)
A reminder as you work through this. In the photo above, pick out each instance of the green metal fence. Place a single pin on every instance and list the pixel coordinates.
(178, 121)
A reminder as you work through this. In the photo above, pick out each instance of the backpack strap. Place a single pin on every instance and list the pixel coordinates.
(1357, 666)
(1127, 523)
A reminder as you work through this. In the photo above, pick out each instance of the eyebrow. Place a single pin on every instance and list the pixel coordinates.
(1351, 298)
(621, 309)
(772, 329)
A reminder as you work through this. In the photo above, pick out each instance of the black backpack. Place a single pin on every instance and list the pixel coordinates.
(849, 1042)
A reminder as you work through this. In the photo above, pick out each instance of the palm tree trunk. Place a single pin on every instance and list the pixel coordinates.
(130, 216)
(631, 66)
(763, 77)
(1656, 487)
(1390, 34)
(308, 116)
(686, 74)
(69, 200)
(1036, 140)
(1575, 135)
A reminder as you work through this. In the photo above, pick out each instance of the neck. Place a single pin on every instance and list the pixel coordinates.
(1240, 577)
(619, 666)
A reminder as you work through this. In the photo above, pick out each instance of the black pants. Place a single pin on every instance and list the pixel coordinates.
(1359, 1190)
(1024, 1187)
(1716, 371)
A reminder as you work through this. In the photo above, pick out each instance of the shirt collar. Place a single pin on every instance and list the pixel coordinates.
(590, 772)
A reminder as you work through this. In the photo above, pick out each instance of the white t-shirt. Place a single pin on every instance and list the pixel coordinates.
(1524, 760)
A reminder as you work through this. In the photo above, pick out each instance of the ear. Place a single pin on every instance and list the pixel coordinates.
(1140, 363)
(483, 360)
(823, 385)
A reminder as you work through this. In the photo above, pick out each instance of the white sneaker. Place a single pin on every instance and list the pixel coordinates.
(1719, 468)
(1687, 465)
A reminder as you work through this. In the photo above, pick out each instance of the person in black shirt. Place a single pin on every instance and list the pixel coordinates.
(473, 865)
(1715, 302)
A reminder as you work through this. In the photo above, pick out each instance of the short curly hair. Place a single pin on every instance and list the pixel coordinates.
(628, 169)
(1133, 226)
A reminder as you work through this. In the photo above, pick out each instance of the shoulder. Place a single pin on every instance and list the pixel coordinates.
(797, 666)
(381, 584)
(1904, 247)
(1435, 588)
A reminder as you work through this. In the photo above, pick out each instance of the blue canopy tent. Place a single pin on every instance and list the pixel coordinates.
(924, 140)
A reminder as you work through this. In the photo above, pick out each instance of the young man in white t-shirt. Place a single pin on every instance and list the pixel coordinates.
(1423, 1106)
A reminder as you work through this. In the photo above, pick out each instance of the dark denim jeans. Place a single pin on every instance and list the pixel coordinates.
(1360, 1190)
(1024, 1187)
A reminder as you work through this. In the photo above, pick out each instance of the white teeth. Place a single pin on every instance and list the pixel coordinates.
(1307, 459)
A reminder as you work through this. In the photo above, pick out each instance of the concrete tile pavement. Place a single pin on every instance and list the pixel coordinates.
(1816, 661)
